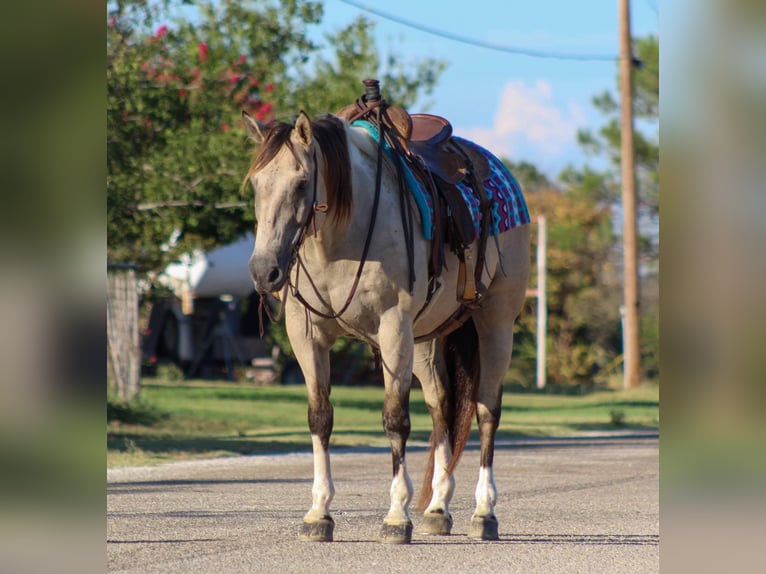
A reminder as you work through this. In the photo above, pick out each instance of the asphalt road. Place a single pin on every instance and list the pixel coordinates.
(587, 504)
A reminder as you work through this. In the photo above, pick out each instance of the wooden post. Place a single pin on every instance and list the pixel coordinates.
(631, 350)
(542, 301)
(122, 331)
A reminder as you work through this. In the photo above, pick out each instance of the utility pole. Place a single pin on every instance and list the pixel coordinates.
(631, 351)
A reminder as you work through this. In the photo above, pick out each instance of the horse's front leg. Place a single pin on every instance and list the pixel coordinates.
(396, 348)
(313, 355)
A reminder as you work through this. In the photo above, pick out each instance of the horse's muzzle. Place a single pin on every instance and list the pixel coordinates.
(268, 276)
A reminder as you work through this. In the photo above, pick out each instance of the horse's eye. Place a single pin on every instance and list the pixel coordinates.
(301, 187)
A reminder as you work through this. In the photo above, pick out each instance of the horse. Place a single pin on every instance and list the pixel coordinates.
(328, 238)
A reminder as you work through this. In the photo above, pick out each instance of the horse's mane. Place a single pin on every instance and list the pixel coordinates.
(330, 135)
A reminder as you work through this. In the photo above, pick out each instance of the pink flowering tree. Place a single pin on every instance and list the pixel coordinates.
(178, 76)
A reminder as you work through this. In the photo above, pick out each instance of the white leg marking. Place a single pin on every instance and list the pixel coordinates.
(443, 485)
(323, 490)
(486, 493)
(401, 495)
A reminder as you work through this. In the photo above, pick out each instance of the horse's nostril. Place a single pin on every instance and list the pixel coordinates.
(274, 275)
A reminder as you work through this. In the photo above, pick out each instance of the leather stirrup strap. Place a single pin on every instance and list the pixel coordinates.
(466, 278)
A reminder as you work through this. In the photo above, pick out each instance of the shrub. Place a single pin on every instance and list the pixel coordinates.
(135, 412)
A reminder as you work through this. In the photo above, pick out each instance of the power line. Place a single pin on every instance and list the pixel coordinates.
(480, 43)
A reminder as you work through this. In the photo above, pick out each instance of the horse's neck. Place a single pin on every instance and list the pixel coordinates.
(344, 240)
(335, 255)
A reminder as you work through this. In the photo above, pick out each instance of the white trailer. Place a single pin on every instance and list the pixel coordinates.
(210, 324)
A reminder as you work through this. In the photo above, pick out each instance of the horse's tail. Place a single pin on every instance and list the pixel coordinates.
(461, 354)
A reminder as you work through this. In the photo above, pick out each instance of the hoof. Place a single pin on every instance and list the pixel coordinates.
(484, 528)
(436, 524)
(319, 531)
(396, 533)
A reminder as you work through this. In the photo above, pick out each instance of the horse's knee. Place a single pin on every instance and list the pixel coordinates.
(321, 416)
(396, 420)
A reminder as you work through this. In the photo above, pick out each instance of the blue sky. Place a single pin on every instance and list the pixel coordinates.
(520, 107)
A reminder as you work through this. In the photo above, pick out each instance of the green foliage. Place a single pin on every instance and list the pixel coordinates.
(178, 76)
(334, 83)
(527, 174)
(583, 295)
(647, 78)
(135, 412)
(602, 187)
(617, 417)
(650, 343)
(606, 142)
(170, 372)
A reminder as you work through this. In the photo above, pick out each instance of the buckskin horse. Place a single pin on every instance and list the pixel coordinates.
(329, 238)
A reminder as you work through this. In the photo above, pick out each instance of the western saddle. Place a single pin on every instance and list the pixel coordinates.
(424, 142)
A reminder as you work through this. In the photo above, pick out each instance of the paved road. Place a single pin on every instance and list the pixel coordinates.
(589, 504)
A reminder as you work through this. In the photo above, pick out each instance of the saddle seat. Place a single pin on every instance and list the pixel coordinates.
(428, 129)
(429, 141)
(429, 137)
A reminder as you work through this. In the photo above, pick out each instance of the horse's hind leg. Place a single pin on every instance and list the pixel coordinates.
(430, 369)
(494, 325)
(495, 357)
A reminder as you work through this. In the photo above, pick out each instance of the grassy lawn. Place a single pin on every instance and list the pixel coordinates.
(207, 419)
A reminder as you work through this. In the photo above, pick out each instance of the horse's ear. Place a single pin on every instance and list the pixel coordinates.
(255, 129)
(303, 128)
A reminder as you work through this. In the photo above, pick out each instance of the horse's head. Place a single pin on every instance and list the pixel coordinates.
(289, 185)
(282, 177)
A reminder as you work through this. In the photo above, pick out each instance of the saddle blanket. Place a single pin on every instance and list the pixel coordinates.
(509, 209)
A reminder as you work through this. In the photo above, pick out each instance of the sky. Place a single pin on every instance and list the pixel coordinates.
(520, 107)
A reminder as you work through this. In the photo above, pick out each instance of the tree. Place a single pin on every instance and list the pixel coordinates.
(603, 185)
(527, 174)
(335, 83)
(178, 76)
(583, 316)
(606, 142)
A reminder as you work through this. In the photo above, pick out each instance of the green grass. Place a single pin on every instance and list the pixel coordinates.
(207, 419)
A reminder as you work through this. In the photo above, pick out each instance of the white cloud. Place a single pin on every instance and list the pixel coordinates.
(530, 125)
